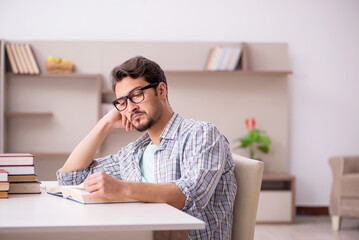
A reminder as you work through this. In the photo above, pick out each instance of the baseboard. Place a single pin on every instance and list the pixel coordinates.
(312, 211)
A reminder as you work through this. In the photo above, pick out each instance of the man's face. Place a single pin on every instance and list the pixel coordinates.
(142, 115)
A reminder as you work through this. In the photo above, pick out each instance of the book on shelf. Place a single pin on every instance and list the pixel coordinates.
(78, 193)
(33, 61)
(19, 169)
(223, 59)
(11, 58)
(24, 187)
(209, 59)
(16, 159)
(17, 58)
(26, 59)
(21, 58)
(4, 175)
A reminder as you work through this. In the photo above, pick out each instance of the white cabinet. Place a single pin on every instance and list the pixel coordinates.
(276, 200)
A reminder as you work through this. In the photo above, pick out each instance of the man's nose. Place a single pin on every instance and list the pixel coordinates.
(131, 107)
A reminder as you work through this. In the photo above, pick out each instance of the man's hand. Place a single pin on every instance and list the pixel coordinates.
(117, 120)
(101, 184)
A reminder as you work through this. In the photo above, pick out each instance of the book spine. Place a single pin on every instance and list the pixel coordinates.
(22, 60)
(11, 57)
(17, 58)
(32, 59)
(27, 59)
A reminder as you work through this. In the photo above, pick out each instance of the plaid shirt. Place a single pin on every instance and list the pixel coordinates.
(194, 156)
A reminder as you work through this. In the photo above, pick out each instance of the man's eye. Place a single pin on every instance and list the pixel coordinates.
(136, 94)
(121, 103)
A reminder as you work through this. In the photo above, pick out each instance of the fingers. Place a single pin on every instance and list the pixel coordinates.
(91, 183)
(126, 123)
(101, 184)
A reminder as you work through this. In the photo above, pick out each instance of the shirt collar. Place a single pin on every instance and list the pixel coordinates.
(170, 131)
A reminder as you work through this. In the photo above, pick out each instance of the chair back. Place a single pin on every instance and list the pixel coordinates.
(249, 174)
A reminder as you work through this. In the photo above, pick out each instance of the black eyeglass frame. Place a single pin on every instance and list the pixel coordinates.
(129, 98)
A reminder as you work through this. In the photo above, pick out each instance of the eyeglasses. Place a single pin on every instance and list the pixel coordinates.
(135, 96)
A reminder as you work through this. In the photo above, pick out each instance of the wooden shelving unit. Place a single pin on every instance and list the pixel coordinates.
(28, 114)
(259, 84)
(28, 99)
(234, 73)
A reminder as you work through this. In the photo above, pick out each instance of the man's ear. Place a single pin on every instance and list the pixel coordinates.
(162, 90)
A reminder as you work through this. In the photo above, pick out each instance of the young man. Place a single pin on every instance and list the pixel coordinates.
(185, 163)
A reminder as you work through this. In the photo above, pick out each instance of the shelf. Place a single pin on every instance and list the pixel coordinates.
(56, 75)
(29, 114)
(238, 72)
(203, 72)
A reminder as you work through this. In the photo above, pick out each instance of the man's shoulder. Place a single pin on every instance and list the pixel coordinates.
(192, 127)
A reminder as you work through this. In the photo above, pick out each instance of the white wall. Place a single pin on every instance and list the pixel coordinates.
(323, 37)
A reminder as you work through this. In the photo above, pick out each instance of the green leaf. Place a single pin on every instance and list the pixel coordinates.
(264, 149)
(244, 144)
(253, 135)
(264, 140)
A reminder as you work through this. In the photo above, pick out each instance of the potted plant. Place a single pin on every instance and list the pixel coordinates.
(255, 139)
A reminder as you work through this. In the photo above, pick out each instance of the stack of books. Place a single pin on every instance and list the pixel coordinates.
(4, 184)
(223, 59)
(21, 58)
(21, 172)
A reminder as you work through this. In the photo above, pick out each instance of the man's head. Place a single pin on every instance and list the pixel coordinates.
(141, 89)
(138, 67)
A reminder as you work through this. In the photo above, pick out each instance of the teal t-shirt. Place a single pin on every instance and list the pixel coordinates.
(147, 163)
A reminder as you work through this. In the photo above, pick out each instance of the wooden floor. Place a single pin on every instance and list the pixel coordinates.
(308, 228)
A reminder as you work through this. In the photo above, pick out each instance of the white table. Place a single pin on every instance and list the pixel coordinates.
(44, 216)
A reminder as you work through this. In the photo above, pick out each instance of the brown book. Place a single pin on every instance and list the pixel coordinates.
(17, 58)
(78, 193)
(27, 59)
(24, 187)
(4, 186)
(22, 59)
(209, 60)
(34, 64)
(4, 194)
(11, 57)
(22, 178)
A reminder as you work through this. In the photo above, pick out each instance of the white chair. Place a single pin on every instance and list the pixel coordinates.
(249, 175)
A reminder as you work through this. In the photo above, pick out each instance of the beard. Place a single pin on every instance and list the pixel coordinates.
(146, 125)
(150, 120)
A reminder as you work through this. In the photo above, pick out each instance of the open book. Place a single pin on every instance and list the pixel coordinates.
(79, 194)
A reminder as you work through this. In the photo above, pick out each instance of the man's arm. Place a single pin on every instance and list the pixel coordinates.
(101, 184)
(84, 152)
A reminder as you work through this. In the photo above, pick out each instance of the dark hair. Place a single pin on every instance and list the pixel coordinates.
(137, 67)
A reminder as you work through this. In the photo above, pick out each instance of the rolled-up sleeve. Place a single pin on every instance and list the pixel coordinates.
(108, 164)
(203, 164)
